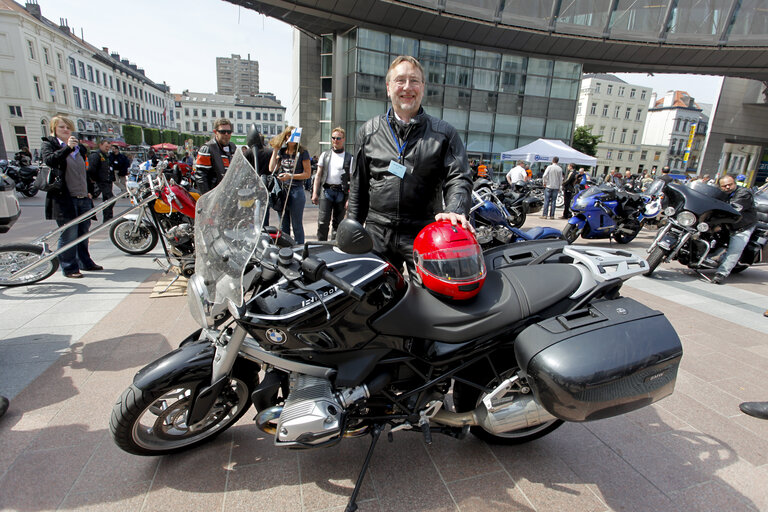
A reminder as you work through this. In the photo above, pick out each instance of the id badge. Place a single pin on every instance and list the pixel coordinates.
(397, 169)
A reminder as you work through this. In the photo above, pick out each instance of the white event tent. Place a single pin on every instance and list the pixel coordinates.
(542, 150)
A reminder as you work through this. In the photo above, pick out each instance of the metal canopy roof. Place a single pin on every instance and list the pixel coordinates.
(725, 37)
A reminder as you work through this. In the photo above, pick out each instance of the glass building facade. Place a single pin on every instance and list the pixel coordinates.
(496, 101)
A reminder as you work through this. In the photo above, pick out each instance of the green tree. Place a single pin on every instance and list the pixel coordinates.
(152, 136)
(132, 134)
(585, 141)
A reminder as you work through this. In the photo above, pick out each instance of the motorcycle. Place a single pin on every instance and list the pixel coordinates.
(171, 215)
(537, 190)
(493, 222)
(22, 175)
(520, 201)
(608, 212)
(697, 234)
(9, 204)
(170, 218)
(348, 347)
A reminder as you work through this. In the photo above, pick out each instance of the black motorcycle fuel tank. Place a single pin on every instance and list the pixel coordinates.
(284, 317)
(608, 359)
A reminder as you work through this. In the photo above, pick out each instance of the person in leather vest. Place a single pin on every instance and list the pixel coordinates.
(214, 156)
(331, 185)
(409, 169)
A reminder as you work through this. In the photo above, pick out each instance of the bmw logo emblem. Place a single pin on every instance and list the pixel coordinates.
(276, 336)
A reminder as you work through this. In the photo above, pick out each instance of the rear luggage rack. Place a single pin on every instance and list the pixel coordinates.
(607, 264)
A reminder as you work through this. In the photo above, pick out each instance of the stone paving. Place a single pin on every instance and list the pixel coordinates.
(68, 349)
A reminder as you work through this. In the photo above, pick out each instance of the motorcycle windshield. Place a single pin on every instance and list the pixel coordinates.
(585, 197)
(227, 228)
(655, 188)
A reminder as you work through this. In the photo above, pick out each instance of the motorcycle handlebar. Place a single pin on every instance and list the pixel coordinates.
(351, 290)
(316, 269)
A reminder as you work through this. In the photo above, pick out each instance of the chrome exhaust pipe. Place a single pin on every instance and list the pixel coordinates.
(266, 420)
(524, 412)
(497, 415)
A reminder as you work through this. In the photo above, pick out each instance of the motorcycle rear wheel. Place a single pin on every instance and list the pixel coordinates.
(571, 233)
(153, 422)
(467, 398)
(655, 258)
(625, 238)
(14, 257)
(30, 191)
(141, 242)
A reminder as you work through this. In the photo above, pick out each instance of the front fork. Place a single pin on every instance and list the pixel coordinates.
(227, 345)
(663, 241)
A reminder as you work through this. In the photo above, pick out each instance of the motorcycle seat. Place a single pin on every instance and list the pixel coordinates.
(533, 233)
(509, 295)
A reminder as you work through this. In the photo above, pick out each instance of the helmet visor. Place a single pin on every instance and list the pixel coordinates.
(453, 264)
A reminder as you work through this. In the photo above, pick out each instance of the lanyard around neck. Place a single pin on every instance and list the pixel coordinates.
(400, 147)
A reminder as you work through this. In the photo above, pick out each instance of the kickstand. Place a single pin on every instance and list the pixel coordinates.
(375, 434)
(171, 283)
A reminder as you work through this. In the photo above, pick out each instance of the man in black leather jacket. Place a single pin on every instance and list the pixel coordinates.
(213, 157)
(409, 169)
(741, 199)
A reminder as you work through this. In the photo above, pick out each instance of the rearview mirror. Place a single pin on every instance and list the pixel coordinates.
(352, 238)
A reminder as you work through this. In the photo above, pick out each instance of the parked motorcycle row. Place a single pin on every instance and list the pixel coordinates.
(23, 176)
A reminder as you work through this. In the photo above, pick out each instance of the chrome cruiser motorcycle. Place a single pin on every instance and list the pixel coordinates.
(348, 347)
(697, 231)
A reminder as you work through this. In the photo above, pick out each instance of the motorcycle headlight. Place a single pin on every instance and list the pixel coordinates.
(197, 301)
(132, 187)
(686, 219)
(703, 227)
(669, 211)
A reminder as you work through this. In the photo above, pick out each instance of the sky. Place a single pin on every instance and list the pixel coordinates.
(177, 42)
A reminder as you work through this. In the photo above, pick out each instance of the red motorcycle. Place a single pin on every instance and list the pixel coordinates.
(170, 218)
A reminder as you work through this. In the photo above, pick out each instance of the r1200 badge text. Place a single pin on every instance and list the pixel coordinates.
(321, 294)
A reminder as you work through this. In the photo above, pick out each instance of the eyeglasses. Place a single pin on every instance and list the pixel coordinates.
(224, 132)
(401, 81)
(337, 138)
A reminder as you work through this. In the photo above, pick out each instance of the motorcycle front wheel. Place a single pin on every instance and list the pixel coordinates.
(655, 258)
(571, 233)
(154, 422)
(14, 257)
(140, 241)
(467, 398)
(517, 220)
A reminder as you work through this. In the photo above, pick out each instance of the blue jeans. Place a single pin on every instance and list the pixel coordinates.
(736, 245)
(77, 257)
(294, 213)
(550, 200)
(331, 211)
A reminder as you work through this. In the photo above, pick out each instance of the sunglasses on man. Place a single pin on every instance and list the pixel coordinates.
(224, 132)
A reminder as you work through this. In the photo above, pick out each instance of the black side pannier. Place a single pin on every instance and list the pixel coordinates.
(608, 359)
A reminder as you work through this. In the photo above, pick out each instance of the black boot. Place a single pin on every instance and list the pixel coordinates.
(756, 409)
(3, 405)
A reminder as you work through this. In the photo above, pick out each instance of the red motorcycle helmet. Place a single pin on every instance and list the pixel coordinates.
(449, 261)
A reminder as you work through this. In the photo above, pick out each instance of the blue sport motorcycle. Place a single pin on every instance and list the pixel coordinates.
(493, 222)
(609, 212)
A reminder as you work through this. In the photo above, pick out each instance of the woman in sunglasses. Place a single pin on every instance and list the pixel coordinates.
(292, 163)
